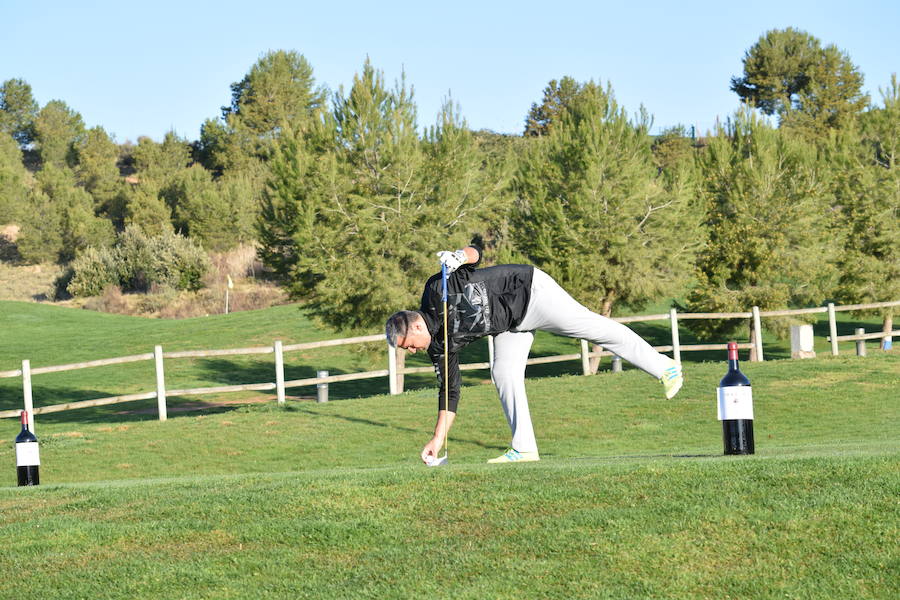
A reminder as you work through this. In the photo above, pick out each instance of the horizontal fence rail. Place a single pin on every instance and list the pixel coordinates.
(396, 368)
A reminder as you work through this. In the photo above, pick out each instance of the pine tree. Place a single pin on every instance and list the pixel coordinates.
(812, 89)
(60, 220)
(40, 237)
(772, 238)
(278, 94)
(147, 211)
(289, 207)
(357, 208)
(96, 157)
(557, 97)
(13, 178)
(868, 192)
(18, 111)
(200, 210)
(57, 129)
(595, 213)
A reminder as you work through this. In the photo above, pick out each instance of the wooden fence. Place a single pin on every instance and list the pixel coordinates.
(396, 369)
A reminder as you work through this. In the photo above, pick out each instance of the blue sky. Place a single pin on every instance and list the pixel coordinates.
(145, 68)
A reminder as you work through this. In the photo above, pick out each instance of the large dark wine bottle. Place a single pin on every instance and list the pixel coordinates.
(28, 458)
(735, 407)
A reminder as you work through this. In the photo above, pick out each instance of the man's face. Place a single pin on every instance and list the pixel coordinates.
(416, 338)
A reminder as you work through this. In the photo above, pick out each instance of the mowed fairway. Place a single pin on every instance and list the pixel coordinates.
(631, 500)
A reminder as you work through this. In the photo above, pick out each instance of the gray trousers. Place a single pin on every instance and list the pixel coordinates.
(552, 309)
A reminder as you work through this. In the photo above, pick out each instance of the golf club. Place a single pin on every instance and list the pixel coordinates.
(438, 461)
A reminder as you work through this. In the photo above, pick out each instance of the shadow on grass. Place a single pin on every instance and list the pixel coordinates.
(453, 438)
(121, 412)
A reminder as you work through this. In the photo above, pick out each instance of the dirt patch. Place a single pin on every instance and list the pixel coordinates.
(10, 232)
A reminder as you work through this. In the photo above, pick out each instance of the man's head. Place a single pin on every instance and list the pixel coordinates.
(407, 330)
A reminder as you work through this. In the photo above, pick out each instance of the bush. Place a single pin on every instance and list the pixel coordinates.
(112, 301)
(138, 262)
(93, 271)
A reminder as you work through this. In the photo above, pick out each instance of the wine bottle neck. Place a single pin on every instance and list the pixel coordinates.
(733, 365)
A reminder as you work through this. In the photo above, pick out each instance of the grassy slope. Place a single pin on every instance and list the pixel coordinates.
(631, 500)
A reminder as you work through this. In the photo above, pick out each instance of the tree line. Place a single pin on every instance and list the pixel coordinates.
(792, 200)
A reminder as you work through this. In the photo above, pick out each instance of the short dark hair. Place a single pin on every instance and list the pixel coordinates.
(398, 325)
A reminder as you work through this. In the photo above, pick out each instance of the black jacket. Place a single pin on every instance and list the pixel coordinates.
(480, 302)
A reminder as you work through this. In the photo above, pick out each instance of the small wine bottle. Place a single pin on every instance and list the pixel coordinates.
(28, 458)
(735, 407)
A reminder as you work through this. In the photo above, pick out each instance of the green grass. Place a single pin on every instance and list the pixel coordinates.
(631, 500)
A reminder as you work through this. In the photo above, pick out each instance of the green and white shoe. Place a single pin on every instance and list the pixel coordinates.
(511, 456)
(672, 380)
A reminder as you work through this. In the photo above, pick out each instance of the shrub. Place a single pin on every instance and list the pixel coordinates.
(112, 301)
(167, 259)
(138, 262)
(93, 270)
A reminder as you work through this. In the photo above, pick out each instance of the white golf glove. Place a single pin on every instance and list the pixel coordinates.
(452, 260)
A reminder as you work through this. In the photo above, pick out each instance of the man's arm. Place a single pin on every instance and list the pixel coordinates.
(441, 429)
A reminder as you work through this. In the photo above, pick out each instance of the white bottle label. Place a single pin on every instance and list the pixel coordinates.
(27, 454)
(735, 402)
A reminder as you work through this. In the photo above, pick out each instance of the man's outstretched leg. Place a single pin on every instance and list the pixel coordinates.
(551, 308)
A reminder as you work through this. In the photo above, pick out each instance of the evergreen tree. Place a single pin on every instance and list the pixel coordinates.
(147, 211)
(60, 220)
(673, 149)
(160, 161)
(220, 150)
(200, 210)
(40, 238)
(868, 191)
(18, 110)
(278, 94)
(96, 158)
(772, 238)
(557, 97)
(355, 211)
(13, 181)
(242, 194)
(57, 129)
(810, 88)
(594, 213)
(288, 212)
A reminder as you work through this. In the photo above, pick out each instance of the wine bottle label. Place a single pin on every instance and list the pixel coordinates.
(27, 454)
(735, 402)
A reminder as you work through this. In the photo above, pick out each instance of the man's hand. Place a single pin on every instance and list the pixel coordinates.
(452, 260)
(431, 449)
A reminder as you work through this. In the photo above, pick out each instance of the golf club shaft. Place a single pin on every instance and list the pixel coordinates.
(446, 355)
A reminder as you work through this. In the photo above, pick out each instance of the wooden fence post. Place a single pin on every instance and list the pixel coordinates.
(279, 371)
(832, 328)
(26, 392)
(392, 370)
(585, 360)
(401, 364)
(860, 344)
(757, 329)
(160, 383)
(676, 341)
